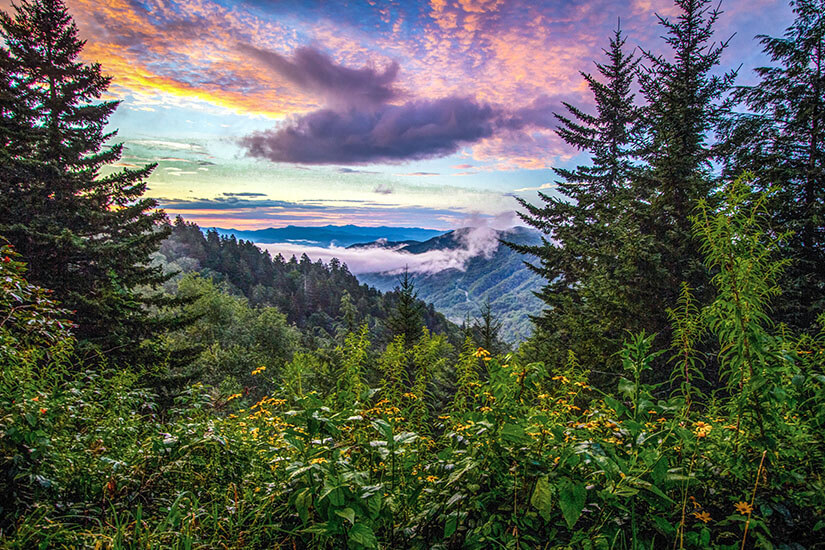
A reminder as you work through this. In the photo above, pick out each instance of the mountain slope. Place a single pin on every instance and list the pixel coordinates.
(308, 293)
(328, 235)
(491, 272)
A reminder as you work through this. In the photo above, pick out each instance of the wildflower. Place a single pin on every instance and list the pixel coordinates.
(486, 409)
(410, 395)
(702, 429)
(319, 460)
(481, 352)
(259, 370)
(431, 479)
(42, 410)
(743, 508)
(562, 379)
(233, 396)
(704, 517)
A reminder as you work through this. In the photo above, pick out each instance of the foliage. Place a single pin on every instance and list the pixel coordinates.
(88, 238)
(354, 449)
(782, 142)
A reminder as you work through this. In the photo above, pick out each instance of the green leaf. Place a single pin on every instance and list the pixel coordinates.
(514, 433)
(450, 526)
(374, 505)
(303, 501)
(542, 499)
(626, 387)
(571, 499)
(363, 535)
(346, 513)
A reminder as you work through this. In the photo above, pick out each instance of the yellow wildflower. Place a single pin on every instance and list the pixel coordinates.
(319, 460)
(743, 508)
(481, 352)
(704, 517)
(432, 479)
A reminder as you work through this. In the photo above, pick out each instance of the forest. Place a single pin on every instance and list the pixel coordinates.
(163, 387)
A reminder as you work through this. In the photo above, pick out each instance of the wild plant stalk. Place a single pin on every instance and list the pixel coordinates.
(753, 498)
(688, 328)
(743, 255)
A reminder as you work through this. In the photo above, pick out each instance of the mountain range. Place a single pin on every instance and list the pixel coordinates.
(466, 268)
(329, 235)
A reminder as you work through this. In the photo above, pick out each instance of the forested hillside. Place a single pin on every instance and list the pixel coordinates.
(496, 276)
(162, 388)
(315, 297)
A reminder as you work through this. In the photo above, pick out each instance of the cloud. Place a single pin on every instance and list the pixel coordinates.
(539, 188)
(383, 189)
(389, 133)
(339, 86)
(232, 201)
(388, 260)
(359, 125)
(477, 235)
(420, 174)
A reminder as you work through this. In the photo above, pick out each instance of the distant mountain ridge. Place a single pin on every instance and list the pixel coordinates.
(496, 274)
(329, 235)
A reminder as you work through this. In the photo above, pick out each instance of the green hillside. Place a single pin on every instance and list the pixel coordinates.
(501, 278)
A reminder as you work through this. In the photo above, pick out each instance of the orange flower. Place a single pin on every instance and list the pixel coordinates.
(743, 508)
(704, 517)
(42, 410)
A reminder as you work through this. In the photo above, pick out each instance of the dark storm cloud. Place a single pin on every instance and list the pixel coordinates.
(391, 133)
(314, 72)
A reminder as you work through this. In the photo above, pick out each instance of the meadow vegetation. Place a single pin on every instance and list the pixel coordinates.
(186, 400)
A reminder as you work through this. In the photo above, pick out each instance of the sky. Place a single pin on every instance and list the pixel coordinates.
(265, 113)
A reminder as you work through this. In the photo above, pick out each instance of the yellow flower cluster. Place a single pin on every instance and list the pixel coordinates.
(702, 429)
(259, 370)
(483, 354)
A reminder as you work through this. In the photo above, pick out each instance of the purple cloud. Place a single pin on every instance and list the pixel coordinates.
(340, 86)
(389, 133)
(359, 124)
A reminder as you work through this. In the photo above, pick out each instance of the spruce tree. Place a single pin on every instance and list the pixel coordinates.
(782, 143)
(685, 102)
(86, 236)
(587, 225)
(486, 330)
(406, 321)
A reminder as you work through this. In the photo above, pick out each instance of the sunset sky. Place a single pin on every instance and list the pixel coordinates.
(267, 113)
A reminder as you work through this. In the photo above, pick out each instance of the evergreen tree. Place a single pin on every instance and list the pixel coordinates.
(782, 143)
(486, 329)
(406, 320)
(586, 225)
(86, 236)
(685, 102)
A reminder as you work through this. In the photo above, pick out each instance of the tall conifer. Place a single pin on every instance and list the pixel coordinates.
(686, 100)
(782, 142)
(584, 226)
(86, 236)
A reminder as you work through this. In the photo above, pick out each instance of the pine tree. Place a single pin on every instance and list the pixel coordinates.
(685, 101)
(782, 143)
(406, 320)
(586, 225)
(86, 236)
(486, 329)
